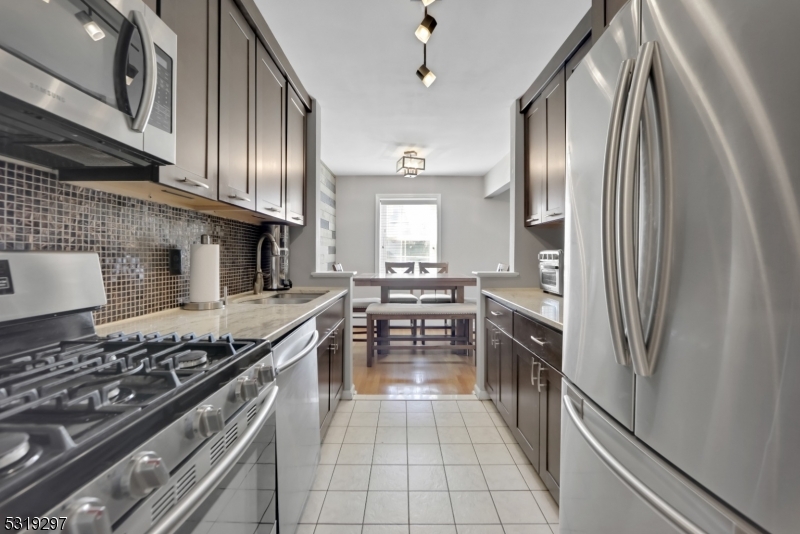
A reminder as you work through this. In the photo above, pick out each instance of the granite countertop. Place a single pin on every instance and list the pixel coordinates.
(533, 302)
(242, 320)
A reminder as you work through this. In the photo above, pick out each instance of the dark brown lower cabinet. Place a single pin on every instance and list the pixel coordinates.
(506, 391)
(324, 378)
(550, 449)
(523, 379)
(528, 426)
(330, 362)
(492, 359)
(337, 367)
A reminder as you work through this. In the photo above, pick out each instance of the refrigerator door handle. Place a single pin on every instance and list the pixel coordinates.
(629, 479)
(644, 353)
(608, 212)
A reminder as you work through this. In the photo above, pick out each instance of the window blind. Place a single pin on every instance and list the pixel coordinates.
(409, 231)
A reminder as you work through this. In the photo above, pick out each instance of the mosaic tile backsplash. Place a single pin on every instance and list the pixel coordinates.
(132, 237)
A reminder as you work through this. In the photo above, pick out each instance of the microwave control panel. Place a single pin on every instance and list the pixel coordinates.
(161, 117)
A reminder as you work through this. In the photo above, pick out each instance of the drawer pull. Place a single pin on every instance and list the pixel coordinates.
(194, 183)
(538, 341)
(496, 314)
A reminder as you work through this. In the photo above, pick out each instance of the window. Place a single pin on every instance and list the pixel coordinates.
(408, 229)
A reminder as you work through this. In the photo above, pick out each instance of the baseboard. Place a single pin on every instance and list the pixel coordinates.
(480, 393)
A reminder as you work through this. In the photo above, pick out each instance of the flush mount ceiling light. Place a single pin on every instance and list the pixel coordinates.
(425, 29)
(92, 28)
(410, 165)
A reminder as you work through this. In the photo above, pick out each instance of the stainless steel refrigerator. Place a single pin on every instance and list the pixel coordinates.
(681, 410)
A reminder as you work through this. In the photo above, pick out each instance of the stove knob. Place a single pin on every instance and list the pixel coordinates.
(88, 516)
(264, 374)
(144, 473)
(246, 389)
(206, 422)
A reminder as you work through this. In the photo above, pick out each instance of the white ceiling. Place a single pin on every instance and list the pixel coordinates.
(358, 58)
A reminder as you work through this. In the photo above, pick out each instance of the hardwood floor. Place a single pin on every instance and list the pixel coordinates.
(413, 373)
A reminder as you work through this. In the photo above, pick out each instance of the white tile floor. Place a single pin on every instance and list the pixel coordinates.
(425, 467)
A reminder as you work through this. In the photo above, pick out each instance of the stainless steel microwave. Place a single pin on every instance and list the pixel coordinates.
(551, 271)
(86, 83)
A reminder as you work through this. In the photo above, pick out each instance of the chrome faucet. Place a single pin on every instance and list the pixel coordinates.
(258, 283)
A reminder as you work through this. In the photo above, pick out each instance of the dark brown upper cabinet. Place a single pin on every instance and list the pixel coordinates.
(603, 12)
(535, 161)
(237, 108)
(295, 159)
(195, 23)
(545, 154)
(270, 143)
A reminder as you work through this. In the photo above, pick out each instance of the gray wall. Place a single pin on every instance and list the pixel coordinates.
(474, 229)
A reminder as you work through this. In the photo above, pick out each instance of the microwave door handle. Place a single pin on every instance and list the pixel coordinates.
(178, 515)
(150, 82)
(644, 356)
(608, 213)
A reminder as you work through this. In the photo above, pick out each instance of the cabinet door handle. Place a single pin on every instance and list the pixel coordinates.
(273, 209)
(539, 378)
(531, 219)
(297, 218)
(195, 183)
(555, 213)
(534, 373)
(538, 341)
(235, 196)
(496, 314)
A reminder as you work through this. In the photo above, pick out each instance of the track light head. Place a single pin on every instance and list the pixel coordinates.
(425, 29)
(426, 3)
(426, 75)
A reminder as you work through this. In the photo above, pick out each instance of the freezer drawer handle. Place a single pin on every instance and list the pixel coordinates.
(608, 210)
(176, 517)
(644, 352)
(629, 479)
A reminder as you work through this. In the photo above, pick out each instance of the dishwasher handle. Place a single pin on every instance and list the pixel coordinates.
(299, 356)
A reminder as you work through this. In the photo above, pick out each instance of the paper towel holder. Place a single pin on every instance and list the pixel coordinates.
(212, 305)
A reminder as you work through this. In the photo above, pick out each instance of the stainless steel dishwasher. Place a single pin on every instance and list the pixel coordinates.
(297, 423)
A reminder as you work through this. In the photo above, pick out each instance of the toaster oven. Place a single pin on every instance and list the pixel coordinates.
(551, 271)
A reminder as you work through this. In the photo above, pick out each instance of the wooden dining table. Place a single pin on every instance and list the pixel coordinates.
(426, 282)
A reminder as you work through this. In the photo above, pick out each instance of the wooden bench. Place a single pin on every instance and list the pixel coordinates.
(378, 316)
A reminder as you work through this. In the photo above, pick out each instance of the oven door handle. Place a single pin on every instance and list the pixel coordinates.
(302, 354)
(176, 517)
(139, 121)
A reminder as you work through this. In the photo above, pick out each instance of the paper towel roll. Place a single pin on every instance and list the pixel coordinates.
(204, 273)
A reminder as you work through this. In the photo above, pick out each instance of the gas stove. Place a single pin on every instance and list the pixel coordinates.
(74, 405)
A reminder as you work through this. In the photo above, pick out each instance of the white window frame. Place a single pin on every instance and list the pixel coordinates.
(412, 197)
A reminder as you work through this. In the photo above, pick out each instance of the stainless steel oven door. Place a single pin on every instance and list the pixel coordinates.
(239, 491)
(105, 65)
(549, 278)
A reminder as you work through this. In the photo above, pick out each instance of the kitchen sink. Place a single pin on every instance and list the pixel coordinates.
(286, 298)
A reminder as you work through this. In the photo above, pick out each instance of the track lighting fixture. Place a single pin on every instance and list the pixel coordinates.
(425, 29)
(410, 164)
(92, 28)
(426, 75)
